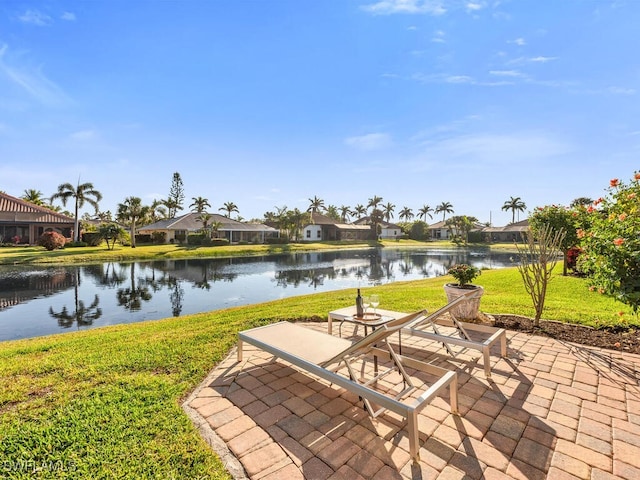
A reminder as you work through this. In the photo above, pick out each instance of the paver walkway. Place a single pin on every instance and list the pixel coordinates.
(551, 410)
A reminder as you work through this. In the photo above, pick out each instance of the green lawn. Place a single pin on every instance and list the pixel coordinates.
(106, 402)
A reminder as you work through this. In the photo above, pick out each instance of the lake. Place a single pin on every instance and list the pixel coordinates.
(38, 301)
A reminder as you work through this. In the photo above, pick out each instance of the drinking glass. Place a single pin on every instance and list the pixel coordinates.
(375, 301)
(366, 302)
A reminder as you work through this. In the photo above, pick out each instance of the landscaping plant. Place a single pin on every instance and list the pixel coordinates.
(611, 244)
(51, 240)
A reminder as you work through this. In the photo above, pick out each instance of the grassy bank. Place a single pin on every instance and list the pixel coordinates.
(38, 255)
(105, 403)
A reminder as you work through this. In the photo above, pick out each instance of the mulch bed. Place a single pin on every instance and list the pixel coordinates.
(619, 339)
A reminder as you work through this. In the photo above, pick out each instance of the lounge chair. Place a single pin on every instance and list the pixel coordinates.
(453, 332)
(323, 355)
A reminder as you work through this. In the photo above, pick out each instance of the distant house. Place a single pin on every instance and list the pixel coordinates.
(510, 233)
(24, 222)
(387, 230)
(442, 231)
(177, 229)
(325, 228)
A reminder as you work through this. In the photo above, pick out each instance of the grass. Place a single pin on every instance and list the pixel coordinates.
(38, 255)
(106, 402)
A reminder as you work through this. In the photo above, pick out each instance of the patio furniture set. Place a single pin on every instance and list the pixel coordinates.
(347, 362)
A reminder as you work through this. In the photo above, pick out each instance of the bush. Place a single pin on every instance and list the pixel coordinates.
(51, 240)
(75, 244)
(277, 241)
(195, 238)
(143, 238)
(463, 273)
(159, 237)
(419, 231)
(92, 239)
(611, 243)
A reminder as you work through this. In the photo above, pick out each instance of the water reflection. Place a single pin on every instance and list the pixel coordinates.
(116, 292)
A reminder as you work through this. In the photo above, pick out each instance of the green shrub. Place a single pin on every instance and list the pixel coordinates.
(51, 240)
(93, 239)
(75, 244)
(159, 237)
(143, 238)
(277, 241)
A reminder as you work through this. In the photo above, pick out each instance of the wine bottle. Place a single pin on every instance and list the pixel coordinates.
(359, 309)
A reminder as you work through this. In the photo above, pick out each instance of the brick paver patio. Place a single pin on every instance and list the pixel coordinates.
(551, 410)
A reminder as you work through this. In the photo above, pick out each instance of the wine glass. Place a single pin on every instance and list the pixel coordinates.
(375, 301)
(366, 302)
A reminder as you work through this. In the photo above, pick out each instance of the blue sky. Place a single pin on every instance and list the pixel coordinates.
(269, 103)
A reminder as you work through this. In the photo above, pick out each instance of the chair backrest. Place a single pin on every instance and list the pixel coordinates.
(379, 334)
(430, 318)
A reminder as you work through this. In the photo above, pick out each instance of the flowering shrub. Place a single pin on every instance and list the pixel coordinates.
(464, 273)
(51, 240)
(611, 244)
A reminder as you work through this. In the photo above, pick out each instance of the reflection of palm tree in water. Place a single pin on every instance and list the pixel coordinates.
(132, 297)
(82, 315)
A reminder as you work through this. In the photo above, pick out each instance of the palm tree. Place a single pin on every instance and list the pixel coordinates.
(387, 211)
(345, 213)
(514, 204)
(444, 207)
(315, 205)
(406, 214)
(360, 210)
(229, 207)
(204, 217)
(158, 210)
(172, 207)
(33, 196)
(425, 211)
(199, 204)
(80, 193)
(132, 211)
(374, 202)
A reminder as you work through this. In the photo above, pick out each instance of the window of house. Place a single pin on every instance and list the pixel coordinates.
(319, 234)
(308, 233)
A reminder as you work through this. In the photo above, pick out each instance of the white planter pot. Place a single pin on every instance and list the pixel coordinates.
(466, 310)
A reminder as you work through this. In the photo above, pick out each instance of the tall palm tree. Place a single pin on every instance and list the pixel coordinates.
(33, 196)
(172, 207)
(345, 213)
(387, 211)
(425, 211)
(81, 193)
(199, 204)
(158, 210)
(360, 210)
(444, 208)
(204, 217)
(406, 214)
(130, 212)
(514, 204)
(229, 207)
(374, 202)
(315, 205)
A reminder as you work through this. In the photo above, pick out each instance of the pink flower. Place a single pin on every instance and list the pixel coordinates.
(632, 195)
(618, 241)
(580, 233)
(637, 176)
(614, 182)
(622, 216)
(617, 344)
(590, 209)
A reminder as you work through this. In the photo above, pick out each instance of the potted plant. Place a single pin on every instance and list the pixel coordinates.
(464, 275)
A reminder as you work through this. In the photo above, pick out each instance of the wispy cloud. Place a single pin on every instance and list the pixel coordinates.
(456, 80)
(35, 17)
(506, 73)
(622, 91)
(389, 7)
(83, 135)
(370, 141)
(31, 80)
(474, 6)
(68, 16)
(518, 41)
(438, 37)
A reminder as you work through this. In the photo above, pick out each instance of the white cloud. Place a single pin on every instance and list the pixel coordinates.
(371, 141)
(438, 37)
(83, 135)
(35, 17)
(622, 91)
(506, 73)
(389, 7)
(541, 59)
(518, 41)
(474, 6)
(68, 16)
(31, 80)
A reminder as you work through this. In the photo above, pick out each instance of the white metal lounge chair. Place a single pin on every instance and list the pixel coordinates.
(452, 332)
(324, 355)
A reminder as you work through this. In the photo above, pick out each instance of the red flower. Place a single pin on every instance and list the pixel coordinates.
(637, 176)
(618, 241)
(614, 182)
(622, 216)
(590, 209)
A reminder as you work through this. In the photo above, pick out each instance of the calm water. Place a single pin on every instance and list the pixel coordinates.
(38, 301)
